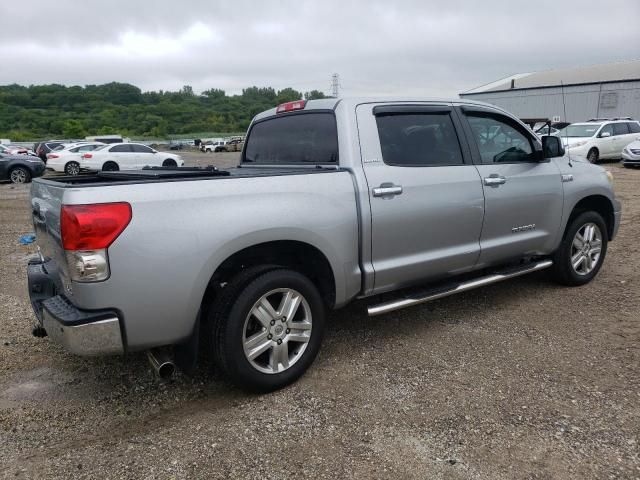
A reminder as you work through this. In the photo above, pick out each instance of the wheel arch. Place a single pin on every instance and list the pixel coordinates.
(597, 203)
(294, 254)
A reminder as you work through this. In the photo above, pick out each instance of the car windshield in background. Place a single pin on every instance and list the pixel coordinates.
(579, 131)
(289, 139)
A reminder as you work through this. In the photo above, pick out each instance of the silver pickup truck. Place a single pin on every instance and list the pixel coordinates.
(396, 201)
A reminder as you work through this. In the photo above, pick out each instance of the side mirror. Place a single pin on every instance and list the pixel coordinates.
(552, 146)
(605, 134)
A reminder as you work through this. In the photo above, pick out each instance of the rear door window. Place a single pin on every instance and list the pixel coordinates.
(141, 148)
(634, 127)
(303, 138)
(120, 148)
(620, 129)
(418, 139)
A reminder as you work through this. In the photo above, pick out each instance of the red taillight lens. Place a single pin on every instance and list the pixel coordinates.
(290, 106)
(52, 155)
(92, 227)
(87, 155)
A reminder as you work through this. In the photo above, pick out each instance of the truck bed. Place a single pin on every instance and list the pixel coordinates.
(172, 174)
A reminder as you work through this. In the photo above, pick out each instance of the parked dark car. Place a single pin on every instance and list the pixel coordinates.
(20, 168)
(42, 148)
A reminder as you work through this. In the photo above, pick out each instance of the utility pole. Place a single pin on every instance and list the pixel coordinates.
(335, 85)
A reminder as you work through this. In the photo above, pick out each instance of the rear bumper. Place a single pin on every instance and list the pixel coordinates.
(82, 332)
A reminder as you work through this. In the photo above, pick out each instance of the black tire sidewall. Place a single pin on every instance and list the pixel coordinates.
(597, 155)
(565, 272)
(237, 365)
(169, 162)
(110, 164)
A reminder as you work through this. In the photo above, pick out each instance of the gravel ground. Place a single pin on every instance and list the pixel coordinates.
(518, 380)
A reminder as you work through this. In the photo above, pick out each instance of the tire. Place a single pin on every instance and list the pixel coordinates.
(169, 162)
(110, 167)
(233, 323)
(564, 271)
(20, 175)
(593, 155)
(72, 168)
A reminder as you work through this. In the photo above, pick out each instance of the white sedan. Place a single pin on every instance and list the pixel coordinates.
(66, 158)
(127, 156)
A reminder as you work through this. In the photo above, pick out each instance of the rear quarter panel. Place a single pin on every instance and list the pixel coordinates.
(181, 232)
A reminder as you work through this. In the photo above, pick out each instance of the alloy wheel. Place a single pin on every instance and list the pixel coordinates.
(586, 248)
(18, 176)
(277, 330)
(73, 168)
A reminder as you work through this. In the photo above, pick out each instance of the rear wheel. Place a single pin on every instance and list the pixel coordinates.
(72, 168)
(20, 175)
(582, 251)
(593, 155)
(267, 328)
(169, 162)
(110, 167)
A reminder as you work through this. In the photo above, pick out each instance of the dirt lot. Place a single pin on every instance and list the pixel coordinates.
(518, 380)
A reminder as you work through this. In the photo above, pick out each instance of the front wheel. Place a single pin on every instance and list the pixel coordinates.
(582, 251)
(169, 162)
(267, 329)
(593, 155)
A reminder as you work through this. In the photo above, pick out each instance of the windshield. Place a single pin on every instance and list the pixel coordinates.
(298, 138)
(579, 130)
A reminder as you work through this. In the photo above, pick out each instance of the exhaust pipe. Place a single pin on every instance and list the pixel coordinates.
(162, 363)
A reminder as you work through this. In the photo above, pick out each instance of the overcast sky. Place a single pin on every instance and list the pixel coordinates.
(431, 48)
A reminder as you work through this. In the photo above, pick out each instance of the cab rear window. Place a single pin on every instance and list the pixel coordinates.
(302, 138)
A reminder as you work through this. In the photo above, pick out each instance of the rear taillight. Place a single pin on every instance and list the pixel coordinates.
(291, 106)
(52, 155)
(87, 231)
(87, 155)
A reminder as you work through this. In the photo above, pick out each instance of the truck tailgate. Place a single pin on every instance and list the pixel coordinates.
(46, 201)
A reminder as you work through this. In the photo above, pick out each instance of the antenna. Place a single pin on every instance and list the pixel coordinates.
(564, 106)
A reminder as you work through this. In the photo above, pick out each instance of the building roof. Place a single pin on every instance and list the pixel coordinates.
(603, 73)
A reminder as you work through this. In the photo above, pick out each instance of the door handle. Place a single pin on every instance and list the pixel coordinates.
(387, 190)
(494, 180)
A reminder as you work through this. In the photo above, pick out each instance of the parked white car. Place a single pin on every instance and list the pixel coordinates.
(127, 156)
(211, 146)
(66, 158)
(631, 154)
(596, 140)
(15, 150)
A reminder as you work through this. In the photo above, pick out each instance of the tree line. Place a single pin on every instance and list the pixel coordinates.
(52, 111)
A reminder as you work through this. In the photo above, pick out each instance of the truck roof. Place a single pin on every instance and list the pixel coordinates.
(352, 102)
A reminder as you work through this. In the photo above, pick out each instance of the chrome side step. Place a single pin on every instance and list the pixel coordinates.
(428, 296)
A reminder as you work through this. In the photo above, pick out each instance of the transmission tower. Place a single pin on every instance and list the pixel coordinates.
(335, 85)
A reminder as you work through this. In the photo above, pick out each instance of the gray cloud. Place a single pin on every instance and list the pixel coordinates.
(430, 48)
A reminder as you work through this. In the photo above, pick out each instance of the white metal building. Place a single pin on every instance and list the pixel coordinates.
(597, 91)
